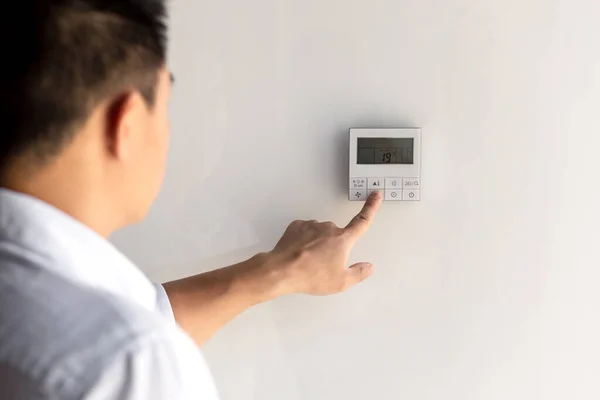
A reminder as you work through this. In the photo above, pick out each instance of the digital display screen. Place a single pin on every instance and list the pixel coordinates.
(385, 151)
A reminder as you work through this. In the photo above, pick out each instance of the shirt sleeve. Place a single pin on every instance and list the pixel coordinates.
(162, 302)
(161, 366)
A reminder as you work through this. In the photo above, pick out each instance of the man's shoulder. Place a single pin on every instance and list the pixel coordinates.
(58, 335)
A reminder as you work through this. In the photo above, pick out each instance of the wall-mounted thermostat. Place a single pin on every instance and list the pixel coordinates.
(386, 160)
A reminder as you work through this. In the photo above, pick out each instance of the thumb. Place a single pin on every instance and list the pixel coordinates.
(359, 272)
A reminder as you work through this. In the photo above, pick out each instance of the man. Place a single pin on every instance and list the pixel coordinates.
(82, 153)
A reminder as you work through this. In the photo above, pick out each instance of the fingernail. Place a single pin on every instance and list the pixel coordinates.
(376, 195)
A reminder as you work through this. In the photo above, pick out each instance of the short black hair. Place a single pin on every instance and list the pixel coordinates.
(64, 57)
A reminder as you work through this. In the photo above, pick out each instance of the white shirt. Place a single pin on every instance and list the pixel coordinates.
(79, 321)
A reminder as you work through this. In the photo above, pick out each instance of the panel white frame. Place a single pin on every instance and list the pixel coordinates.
(384, 170)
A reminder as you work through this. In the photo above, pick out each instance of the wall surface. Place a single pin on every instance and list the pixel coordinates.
(487, 288)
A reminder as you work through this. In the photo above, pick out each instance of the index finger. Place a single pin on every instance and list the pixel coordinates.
(359, 224)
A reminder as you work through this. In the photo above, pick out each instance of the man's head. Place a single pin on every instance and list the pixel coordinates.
(84, 103)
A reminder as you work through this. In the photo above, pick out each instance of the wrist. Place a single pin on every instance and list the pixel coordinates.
(280, 273)
(263, 277)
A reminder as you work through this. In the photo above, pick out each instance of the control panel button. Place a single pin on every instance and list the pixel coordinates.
(393, 183)
(376, 183)
(358, 183)
(393, 195)
(411, 195)
(412, 183)
(357, 195)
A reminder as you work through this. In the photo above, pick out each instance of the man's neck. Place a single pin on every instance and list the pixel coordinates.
(69, 188)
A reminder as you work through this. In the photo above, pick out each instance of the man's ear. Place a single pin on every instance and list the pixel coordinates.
(120, 122)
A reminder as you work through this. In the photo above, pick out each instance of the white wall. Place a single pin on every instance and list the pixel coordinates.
(488, 288)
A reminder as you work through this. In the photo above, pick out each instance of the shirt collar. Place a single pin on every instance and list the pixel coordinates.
(71, 249)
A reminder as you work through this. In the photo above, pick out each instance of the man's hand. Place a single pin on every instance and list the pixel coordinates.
(314, 256)
(311, 258)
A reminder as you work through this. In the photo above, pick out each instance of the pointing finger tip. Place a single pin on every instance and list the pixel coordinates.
(377, 195)
(375, 199)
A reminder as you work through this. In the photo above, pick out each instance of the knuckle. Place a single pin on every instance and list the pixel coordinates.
(329, 228)
(362, 217)
(301, 254)
(346, 233)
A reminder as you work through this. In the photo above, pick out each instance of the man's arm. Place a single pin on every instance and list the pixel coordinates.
(203, 304)
(310, 258)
